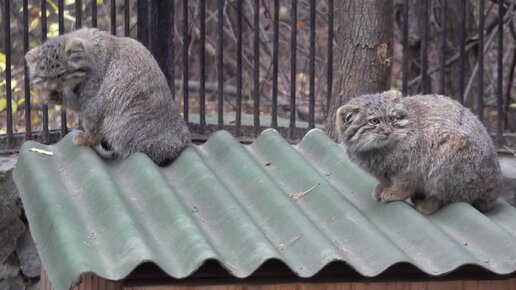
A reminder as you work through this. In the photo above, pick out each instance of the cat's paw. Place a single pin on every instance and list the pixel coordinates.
(429, 205)
(377, 192)
(396, 193)
(82, 138)
(389, 196)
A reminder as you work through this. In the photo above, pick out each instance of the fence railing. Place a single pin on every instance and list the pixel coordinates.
(246, 65)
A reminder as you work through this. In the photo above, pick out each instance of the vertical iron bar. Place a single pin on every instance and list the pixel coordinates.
(311, 96)
(404, 66)
(172, 50)
(113, 16)
(163, 34)
(425, 79)
(329, 79)
(275, 50)
(293, 75)
(220, 46)
(164, 19)
(256, 67)
(127, 19)
(499, 87)
(60, 8)
(7, 43)
(28, 129)
(78, 14)
(202, 60)
(143, 22)
(462, 50)
(238, 120)
(481, 24)
(185, 60)
(60, 16)
(93, 13)
(153, 27)
(43, 39)
(442, 51)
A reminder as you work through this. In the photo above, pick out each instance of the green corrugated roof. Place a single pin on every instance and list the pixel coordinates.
(306, 205)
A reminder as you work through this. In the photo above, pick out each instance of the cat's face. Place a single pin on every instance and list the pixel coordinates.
(372, 122)
(57, 64)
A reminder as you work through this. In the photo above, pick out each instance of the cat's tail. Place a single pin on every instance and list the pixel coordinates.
(485, 203)
(168, 145)
(105, 151)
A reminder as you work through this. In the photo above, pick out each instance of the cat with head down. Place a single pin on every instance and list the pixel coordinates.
(119, 91)
(427, 148)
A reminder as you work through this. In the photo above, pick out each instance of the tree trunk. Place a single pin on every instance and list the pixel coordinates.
(363, 35)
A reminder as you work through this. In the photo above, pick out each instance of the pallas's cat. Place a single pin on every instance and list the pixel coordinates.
(427, 147)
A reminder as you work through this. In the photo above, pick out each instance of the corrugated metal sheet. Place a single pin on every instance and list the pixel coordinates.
(306, 205)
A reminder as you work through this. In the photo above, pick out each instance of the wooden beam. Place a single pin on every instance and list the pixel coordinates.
(89, 281)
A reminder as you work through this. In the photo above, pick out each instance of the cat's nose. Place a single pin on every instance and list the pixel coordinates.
(385, 130)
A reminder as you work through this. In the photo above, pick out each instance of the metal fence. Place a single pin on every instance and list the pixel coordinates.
(239, 55)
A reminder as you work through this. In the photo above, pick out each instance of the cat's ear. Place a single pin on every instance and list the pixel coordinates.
(75, 47)
(346, 114)
(32, 55)
(77, 51)
(393, 95)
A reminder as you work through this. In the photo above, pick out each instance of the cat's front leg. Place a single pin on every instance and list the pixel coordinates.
(384, 182)
(91, 134)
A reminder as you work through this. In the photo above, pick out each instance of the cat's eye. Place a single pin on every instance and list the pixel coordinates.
(40, 77)
(391, 119)
(374, 121)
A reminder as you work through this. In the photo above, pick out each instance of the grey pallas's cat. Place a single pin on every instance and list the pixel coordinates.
(427, 147)
(118, 90)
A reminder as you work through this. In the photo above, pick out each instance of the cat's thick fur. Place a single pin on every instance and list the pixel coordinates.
(117, 88)
(427, 147)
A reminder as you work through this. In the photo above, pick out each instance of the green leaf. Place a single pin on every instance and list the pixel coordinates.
(67, 16)
(2, 61)
(54, 6)
(20, 102)
(53, 30)
(3, 132)
(100, 2)
(14, 83)
(3, 104)
(34, 24)
(513, 105)
(48, 14)
(69, 2)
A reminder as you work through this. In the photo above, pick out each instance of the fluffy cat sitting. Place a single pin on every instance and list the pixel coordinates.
(428, 148)
(118, 90)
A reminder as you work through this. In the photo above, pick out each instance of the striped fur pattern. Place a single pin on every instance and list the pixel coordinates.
(427, 148)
